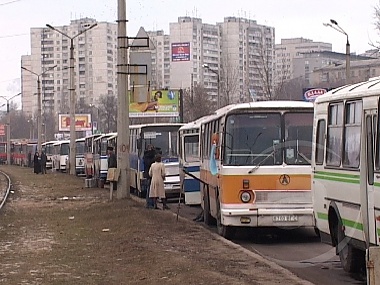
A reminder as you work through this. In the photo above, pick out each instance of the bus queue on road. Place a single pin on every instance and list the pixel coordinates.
(262, 164)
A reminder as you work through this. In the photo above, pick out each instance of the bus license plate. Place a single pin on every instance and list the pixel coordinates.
(285, 218)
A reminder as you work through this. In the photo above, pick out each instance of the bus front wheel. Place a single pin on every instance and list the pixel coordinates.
(227, 232)
(351, 258)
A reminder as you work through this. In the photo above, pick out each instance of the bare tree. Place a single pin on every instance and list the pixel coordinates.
(108, 112)
(196, 103)
(229, 82)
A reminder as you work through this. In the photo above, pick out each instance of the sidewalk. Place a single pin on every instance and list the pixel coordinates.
(56, 231)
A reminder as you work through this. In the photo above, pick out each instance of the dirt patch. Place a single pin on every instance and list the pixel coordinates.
(53, 230)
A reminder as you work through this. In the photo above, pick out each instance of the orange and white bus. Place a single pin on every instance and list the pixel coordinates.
(255, 166)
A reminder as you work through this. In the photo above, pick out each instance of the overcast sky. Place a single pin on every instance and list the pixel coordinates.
(290, 18)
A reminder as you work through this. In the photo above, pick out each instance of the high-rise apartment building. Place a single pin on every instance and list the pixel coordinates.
(95, 59)
(247, 59)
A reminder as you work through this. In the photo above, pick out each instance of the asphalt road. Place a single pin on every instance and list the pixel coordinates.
(298, 250)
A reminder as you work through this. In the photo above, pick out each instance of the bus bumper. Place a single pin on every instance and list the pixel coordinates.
(268, 217)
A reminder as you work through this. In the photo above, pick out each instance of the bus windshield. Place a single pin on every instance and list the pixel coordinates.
(80, 147)
(258, 139)
(164, 139)
(65, 148)
(191, 148)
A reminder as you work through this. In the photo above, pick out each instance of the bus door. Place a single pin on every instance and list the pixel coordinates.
(368, 179)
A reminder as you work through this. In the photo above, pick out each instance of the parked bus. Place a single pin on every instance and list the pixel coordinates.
(90, 155)
(48, 148)
(79, 156)
(255, 166)
(61, 155)
(101, 159)
(20, 155)
(346, 164)
(189, 161)
(164, 138)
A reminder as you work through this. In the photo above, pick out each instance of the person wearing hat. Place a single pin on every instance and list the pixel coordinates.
(112, 162)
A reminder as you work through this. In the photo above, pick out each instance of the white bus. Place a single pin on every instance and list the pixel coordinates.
(255, 166)
(189, 161)
(90, 156)
(163, 136)
(346, 170)
(61, 155)
(101, 159)
(79, 156)
(48, 148)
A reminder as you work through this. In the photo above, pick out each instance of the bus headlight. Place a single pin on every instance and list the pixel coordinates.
(245, 197)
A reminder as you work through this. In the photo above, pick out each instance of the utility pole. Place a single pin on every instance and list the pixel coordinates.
(72, 153)
(123, 165)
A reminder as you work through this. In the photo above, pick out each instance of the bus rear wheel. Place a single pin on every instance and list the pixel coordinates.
(227, 232)
(351, 258)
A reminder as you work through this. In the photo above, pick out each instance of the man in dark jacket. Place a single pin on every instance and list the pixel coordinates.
(148, 159)
(43, 162)
(112, 163)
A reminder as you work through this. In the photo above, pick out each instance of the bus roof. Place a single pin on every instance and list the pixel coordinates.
(362, 89)
(62, 142)
(80, 140)
(155, 125)
(49, 142)
(194, 124)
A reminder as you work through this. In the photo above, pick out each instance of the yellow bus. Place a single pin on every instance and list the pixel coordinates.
(255, 166)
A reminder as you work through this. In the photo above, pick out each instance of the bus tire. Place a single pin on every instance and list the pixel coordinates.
(351, 258)
(227, 232)
(207, 218)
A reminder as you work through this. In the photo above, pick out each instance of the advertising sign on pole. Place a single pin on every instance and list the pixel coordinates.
(2, 130)
(162, 103)
(82, 122)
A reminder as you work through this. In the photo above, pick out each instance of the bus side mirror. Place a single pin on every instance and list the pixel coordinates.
(139, 143)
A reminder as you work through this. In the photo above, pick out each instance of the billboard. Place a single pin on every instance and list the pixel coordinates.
(310, 94)
(181, 51)
(82, 122)
(162, 103)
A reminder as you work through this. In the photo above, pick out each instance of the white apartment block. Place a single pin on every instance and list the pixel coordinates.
(247, 66)
(291, 49)
(95, 63)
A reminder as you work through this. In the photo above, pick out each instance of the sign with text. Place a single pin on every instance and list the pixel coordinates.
(181, 51)
(82, 122)
(2, 130)
(310, 94)
(162, 103)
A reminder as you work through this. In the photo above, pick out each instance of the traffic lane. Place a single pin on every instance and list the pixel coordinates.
(298, 250)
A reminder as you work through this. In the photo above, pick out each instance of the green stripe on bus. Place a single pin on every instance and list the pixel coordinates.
(346, 223)
(339, 179)
(338, 174)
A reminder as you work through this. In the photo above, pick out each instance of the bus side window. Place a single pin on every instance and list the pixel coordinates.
(320, 142)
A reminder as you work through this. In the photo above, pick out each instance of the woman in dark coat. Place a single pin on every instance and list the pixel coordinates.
(37, 163)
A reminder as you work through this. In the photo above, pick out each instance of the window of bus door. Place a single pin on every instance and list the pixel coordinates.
(65, 149)
(252, 139)
(334, 134)
(191, 148)
(80, 147)
(103, 147)
(298, 137)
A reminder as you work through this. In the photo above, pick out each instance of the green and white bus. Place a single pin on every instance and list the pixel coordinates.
(346, 170)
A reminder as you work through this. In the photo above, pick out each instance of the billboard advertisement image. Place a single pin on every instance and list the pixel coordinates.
(82, 122)
(181, 51)
(162, 103)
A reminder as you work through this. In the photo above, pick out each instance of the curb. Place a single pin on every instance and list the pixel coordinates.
(260, 258)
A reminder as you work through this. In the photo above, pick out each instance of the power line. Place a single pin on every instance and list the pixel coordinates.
(14, 35)
(10, 2)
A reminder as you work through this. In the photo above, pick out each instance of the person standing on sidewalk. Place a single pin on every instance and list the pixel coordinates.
(157, 189)
(148, 159)
(43, 162)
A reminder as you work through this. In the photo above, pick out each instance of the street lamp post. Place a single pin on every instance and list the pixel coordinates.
(334, 24)
(9, 128)
(205, 66)
(39, 103)
(72, 94)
